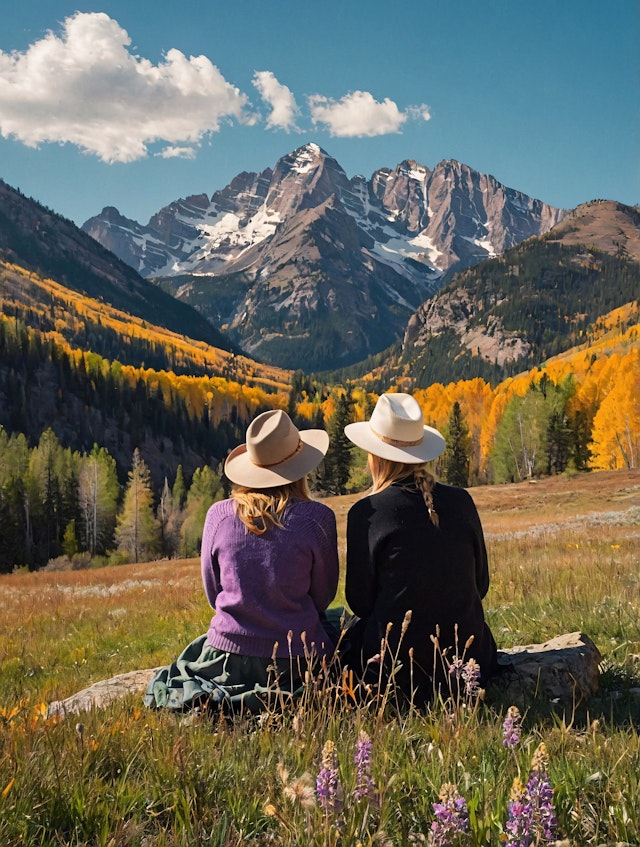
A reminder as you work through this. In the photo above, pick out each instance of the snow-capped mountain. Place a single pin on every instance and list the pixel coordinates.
(303, 263)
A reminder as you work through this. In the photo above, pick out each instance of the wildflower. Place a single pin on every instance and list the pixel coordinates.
(532, 817)
(512, 726)
(451, 824)
(301, 791)
(365, 786)
(9, 714)
(455, 668)
(539, 758)
(471, 677)
(518, 825)
(327, 782)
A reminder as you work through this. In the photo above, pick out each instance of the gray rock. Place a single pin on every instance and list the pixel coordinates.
(563, 670)
(102, 693)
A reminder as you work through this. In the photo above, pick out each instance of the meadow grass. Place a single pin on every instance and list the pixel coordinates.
(563, 556)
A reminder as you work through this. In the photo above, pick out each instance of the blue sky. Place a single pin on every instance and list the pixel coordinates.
(134, 103)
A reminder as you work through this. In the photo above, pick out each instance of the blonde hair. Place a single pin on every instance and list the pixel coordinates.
(261, 508)
(384, 472)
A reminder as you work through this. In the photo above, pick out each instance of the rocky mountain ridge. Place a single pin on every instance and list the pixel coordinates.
(533, 301)
(300, 262)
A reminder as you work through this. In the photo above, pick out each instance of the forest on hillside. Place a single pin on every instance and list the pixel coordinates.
(173, 419)
(66, 500)
(548, 294)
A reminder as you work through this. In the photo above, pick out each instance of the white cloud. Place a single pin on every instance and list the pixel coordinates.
(284, 109)
(419, 113)
(177, 153)
(359, 114)
(88, 89)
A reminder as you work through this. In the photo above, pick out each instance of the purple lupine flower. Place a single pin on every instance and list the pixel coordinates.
(543, 813)
(451, 824)
(365, 786)
(518, 825)
(512, 726)
(471, 677)
(455, 668)
(532, 816)
(327, 782)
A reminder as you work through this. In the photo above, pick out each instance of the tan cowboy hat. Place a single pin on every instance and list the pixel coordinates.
(276, 453)
(397, 432)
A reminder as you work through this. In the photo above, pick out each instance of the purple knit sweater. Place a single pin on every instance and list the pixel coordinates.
(263, 586)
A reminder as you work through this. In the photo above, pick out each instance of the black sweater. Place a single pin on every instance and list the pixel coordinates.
(398, 560)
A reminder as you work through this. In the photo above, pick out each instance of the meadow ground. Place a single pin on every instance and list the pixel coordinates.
(564, 556)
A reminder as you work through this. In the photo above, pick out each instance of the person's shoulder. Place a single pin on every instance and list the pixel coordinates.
(362, 506)
(443, 493)
(220, 510)
(312, 509)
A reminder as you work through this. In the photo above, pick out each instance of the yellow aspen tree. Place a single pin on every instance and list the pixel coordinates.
(616, 426)
(475, 397)
(432, 401)
(489, 429)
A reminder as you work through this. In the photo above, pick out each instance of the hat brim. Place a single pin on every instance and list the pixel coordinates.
(239, 468)
(431, 446)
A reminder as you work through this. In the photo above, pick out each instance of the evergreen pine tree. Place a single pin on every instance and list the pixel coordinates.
(137, 532)
(179, 490)
(333, 474)
(69, 540)
(458, 451)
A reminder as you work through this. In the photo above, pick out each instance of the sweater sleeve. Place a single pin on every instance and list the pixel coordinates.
(360, 577)
(480, 549)
(326, 569)
(208, 560)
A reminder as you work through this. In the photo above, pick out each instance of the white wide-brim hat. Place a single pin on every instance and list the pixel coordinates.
(275, 452)
(397, 432)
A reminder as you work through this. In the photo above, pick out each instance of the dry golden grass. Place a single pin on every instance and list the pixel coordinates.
(523, 505)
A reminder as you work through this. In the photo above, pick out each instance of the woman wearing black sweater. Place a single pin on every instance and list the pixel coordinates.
(415, 545)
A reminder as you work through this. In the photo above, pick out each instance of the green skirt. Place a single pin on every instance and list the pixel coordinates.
(203, 676)
(207, 677)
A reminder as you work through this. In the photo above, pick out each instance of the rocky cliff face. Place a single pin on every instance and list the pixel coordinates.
(533, 300)
(301, 261)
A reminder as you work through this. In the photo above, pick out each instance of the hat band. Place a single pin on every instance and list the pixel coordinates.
(396, 442)
(280, 461)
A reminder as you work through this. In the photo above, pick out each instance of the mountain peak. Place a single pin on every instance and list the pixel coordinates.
(311, 149)
(303, 245)
(606, 224)
(306, 159)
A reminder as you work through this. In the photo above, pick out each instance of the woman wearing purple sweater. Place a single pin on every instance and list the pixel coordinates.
(270, 570)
